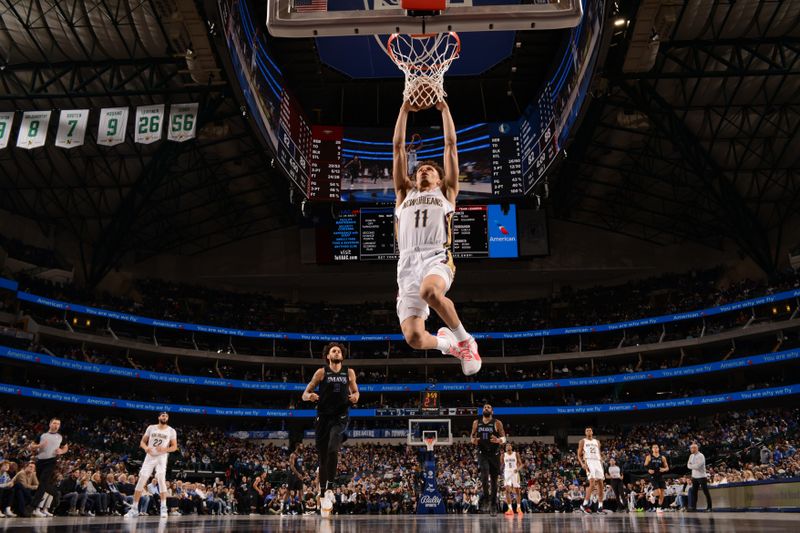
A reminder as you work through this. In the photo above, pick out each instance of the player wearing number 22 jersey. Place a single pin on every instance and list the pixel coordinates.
(424, 212)
(157, 442)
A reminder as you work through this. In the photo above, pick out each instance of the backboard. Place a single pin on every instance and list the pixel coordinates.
(326, 18)
(418, 428)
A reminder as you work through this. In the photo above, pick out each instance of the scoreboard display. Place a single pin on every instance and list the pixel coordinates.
(479, 231)
(325, 178)
(429, 399)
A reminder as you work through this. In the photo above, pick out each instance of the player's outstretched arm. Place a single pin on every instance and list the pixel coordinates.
(309, 395)
(400, 157)
(450, 153)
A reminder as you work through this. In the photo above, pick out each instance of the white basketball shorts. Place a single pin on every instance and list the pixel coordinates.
(511, 479)
(412, 268)
(595, 469)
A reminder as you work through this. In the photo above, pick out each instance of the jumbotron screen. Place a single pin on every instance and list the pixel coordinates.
(367, 234)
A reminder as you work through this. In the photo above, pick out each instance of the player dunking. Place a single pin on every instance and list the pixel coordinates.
(158, 441)
(423, 214)
(591, 460)
(488, 434)
(511, 481)
(337, 390)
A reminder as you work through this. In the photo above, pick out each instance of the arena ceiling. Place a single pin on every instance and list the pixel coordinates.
(691, 133)
(131, 198)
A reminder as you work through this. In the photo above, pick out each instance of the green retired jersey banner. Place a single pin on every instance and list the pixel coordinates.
(149, 120)
(182, 122)
(6, 120)
(72, 127)
(33, 129)
(111, 128)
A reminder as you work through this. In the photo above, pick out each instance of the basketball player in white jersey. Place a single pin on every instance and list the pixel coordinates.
(158, 441)
(591, 460)
(423, 215)
(511, 481)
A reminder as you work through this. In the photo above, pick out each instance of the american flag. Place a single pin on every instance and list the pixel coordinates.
(306, 6)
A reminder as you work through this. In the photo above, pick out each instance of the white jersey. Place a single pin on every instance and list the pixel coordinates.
(510, 460)
(591, 450)
(423, 220)
(159, 437)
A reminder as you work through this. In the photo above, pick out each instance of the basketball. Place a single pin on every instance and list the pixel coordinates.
(423, 94)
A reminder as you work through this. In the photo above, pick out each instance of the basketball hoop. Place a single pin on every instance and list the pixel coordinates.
(429, 438)
(424, 59)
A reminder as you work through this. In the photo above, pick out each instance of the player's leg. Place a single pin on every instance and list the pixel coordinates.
(412, 311)
(483, 465)
(416, 336)
(600, 494)
(432, 291)
(144, 474)
(438, 278)
(335, 439)
(518, 492)
(587, 495)
(507, 489)
(322, 432)
(494, 474)
(161, 478)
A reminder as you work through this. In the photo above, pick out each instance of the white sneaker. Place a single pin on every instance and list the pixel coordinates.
(38, 513)
(47, 513)
(164, 512)
(447, 334)
(470, 359)
(9, 513)
(133, 513)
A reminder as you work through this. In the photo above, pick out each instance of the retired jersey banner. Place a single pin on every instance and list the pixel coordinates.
(33, 129)
(182, 122)
(72, 127)
(111, 128)
(149, 119)
(6, 120)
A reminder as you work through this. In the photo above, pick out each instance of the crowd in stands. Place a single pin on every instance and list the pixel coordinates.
(198, 304)
(217, 474)
(34, 255)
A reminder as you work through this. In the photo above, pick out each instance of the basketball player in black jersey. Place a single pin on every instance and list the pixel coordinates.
(488, 434)
(296, 474)
(337, 390)
(656, 465)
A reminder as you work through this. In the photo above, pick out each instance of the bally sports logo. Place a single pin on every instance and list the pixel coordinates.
(430, 501)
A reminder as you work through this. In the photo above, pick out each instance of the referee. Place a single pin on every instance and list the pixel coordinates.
(49, 447)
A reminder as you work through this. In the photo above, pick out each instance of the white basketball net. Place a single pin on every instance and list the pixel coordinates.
(424, 59)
